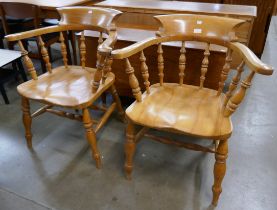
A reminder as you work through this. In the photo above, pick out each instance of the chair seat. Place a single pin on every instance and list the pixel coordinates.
(186, 109)
(70, 87)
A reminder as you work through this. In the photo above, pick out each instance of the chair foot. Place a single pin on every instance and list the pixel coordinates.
(91, 137)
(130, 148)
(27, 121)
(219, 169)
(128, 172)
(97, 159)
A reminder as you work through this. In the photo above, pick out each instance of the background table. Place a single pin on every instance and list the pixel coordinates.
(48, 7)
(7, 57)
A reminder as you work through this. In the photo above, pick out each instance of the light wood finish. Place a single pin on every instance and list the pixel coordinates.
(173, 108)
(189, 109)
(70, 86)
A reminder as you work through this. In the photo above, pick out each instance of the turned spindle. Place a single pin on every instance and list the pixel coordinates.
(83, 50)
(204, 66)
(160, 63)
(225, 71)
(63, 50)
(134, 84)
(144, 71)
(234, 83)
(45, 54)
(182, 63)
(28, 62)
(237, 98)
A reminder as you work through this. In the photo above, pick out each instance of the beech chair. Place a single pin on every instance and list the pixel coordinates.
(70, 86)
(186, 109)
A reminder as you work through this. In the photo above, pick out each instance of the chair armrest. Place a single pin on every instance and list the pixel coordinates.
(34, 33)
(252, 61)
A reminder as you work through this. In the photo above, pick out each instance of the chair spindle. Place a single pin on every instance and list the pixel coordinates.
(28, 62)
(205, 64)
(63, 50)
(225, 71)
(234, 83)
(134, 84)
(100, 41)
(161, 63)
(182, 63)
(107, 68)
(45, 55)
(83, 49)
(98, 74)
(237, 98)
(144, 71)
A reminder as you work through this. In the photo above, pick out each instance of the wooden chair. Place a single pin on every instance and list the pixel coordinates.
(29, 13)
(186, 109)
(70, 86)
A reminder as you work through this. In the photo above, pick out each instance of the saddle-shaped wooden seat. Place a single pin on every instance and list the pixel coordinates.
(183, 109)
(67, 87)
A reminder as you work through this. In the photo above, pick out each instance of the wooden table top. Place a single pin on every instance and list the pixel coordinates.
(8, 56)
(178, 6)
(52, 3)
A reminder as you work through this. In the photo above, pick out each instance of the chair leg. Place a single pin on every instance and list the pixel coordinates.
(118, 102)
(130, 148)
(91, 137)
(219, 169)
(4, 94)
(27, 120)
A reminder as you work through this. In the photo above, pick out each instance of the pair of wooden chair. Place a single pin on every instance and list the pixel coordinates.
(173, 107)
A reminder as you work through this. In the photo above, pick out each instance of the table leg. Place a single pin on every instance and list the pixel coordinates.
(4, 95)
(21, 69)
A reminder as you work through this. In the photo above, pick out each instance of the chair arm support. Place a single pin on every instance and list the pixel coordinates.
(106, 47)
(251, 60)
(34, 33)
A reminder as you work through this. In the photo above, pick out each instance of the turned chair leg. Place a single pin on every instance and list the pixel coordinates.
(27, 120)
(118, 103)
(130, 148)
(91, 137)
(219, 169)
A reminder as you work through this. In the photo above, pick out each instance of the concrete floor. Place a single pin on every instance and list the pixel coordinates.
(60, 174)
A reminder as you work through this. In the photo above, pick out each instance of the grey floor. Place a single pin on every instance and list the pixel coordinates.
(60, 174)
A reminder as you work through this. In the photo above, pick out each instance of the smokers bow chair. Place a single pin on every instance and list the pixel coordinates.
(71, 86)
(181, 108)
